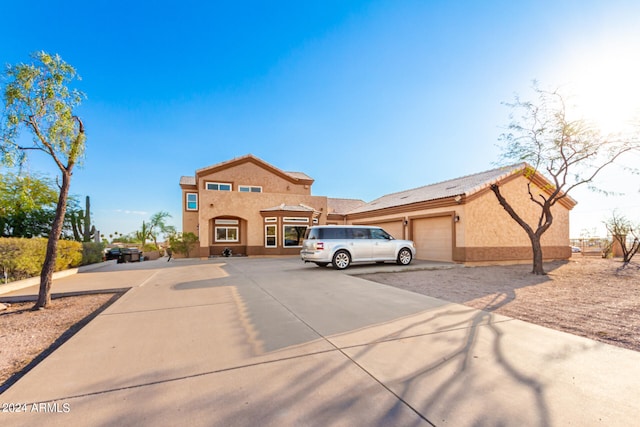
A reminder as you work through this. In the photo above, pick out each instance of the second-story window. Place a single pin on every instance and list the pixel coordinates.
(249, 189)
(192, 201)
(219, 186)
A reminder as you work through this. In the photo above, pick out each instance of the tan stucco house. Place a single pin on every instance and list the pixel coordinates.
(254, 208)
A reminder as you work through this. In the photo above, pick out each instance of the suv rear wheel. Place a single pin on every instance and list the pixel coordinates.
(341, 260)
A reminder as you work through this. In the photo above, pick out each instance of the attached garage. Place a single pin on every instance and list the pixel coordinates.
(433, 238)
(461, 220)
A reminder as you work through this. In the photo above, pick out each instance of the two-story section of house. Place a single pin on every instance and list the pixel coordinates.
(250, 207)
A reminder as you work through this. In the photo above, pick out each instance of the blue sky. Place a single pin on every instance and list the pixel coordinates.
(367, 97)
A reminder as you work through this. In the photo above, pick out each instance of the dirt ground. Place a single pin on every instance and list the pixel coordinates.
(26, 334)
(587, 296)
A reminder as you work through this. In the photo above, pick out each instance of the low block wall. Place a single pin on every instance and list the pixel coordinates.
(33, 281)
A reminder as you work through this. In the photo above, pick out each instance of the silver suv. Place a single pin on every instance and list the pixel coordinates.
(341, 245)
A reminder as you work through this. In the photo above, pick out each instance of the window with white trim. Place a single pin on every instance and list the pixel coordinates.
(226, 230)
(271, 219)
(270, 236)
(218, 186)
(226, 221)
(226, 234)
(293, 235)
(192, 201)
(249, 189)
(295, 219)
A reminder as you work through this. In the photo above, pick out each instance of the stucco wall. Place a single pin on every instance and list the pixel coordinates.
(485, 232)
(487, 224)
(247, 206)
(190, 222)
(249, 173)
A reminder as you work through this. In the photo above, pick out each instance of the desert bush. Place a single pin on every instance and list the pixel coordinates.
(184, 243)
(23, 258)
(149, 247)
(92, 252)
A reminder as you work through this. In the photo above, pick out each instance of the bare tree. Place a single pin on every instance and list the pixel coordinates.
(37, 98)
(571, 152)
(621, 229)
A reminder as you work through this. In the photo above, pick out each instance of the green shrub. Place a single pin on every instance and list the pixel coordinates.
(23, 258)
(69, 254)
(92, 252)
(183, 243)
(30, 258)
(149, 247)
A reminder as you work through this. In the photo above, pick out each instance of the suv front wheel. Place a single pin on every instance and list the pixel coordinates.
(341, 260)
(404, 257)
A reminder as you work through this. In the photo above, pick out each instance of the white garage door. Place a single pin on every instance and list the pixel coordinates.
(432, 237)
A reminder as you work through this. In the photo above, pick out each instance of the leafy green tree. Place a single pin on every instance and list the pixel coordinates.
(38, 98)
(158, 225)
(27, 205)
(571, 152)
(125, 238)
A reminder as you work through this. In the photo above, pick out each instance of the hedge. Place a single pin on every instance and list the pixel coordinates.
(92, 252)
(23, 258)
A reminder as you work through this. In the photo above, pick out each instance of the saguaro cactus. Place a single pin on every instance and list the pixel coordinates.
(83, 231)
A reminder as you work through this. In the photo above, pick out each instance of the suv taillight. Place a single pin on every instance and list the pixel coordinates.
(320, 246)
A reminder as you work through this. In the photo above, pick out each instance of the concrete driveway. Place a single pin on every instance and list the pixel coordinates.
(272, 341)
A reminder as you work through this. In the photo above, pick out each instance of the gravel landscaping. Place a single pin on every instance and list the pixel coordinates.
(586, 296)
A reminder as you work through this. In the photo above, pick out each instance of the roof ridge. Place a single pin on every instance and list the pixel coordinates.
(464, 185)
(345, 198)
(250, 156)
(508, 167)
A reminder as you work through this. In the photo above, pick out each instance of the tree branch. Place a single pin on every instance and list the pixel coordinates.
(512, 213)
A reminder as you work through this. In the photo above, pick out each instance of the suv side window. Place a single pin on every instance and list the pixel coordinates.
(358, 233)
(377, 233)
(333, 233)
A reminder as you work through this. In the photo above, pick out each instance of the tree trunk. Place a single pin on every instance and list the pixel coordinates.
(46, 275)
(536, 246)
(534, 236)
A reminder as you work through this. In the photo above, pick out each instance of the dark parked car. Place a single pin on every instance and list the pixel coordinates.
(124, 254)
(112, 253)
(130, 255)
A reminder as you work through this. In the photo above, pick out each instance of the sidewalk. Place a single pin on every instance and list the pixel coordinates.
(249, 342)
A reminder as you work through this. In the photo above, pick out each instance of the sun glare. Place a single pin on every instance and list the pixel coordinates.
(607, 90)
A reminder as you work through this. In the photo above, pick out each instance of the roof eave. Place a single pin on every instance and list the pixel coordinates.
(257, 161)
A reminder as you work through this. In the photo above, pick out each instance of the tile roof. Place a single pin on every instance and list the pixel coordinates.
(465, 185)
(187, 180)
(342, 206)
(296, 176)
(289, 208)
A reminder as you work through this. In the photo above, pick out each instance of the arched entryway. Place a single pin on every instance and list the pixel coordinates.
(227, 232)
